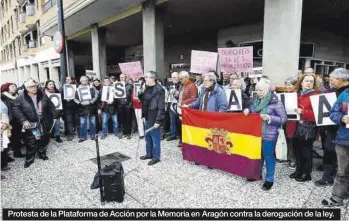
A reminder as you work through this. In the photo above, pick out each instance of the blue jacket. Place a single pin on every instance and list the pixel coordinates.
(338, 111)
(277, 113)
(217, 100)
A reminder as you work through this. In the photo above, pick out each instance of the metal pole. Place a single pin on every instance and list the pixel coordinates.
(63, 54)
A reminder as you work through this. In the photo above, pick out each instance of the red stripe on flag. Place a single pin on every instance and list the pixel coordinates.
(232, 122)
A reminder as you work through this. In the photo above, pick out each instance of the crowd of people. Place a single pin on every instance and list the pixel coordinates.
(32, 119)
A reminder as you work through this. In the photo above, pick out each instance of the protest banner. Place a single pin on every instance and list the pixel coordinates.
(322, 105)
(136, 90)
(108, 94)
(84, 93)
(256, 73)
(56, 99)
(203, 61)
(91, 74)
(132, 69)
(237, 59)
(120, 90)
(290, 102)
(228, 142)
(234, 98)
(69, 91)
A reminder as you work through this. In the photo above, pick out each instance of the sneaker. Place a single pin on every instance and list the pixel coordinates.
(267, 185)
(292, 165)
(128, 136)
(82, 140)
(171, 138)
(152, 162)
(331, 202)
(120, 136)
(145, 157)
(59, 140)
(70, 137)
(322, 182)
(103, 137)
(141, 137)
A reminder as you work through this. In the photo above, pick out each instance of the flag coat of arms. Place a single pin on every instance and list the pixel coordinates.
(225, 141)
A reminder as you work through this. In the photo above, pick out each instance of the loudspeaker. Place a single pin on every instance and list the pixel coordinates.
(113, 182)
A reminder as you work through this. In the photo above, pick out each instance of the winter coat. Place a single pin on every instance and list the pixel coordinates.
(24, 110)
(278, 117)
(105, 106)
(338, 111)
(126, 102)
(9, 100)
(69, 106)
(55, 113)
(217, 100)
(87, 110)
(190, 93)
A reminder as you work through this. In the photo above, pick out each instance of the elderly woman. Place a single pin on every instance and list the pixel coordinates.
(274, 116)
(212, 96)
(237, 82)
(34, 112)
(305, 132)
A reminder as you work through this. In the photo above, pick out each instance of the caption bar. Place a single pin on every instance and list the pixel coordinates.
(171, 214)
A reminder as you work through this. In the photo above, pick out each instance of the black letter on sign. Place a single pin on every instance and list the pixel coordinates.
(56, 100)
(234, 101)
(69, 92)
(85, 94)
(323, 101)
(120, 91)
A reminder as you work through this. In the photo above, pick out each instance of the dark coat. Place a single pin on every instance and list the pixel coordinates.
(126, 102)
(9, 102)
(68, 105)
(90, 109)
(24, 110)
(156, 110)
(104, 106)
(55, 113)
(338, 111)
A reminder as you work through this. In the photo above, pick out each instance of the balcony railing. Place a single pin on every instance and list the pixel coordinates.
(30, 9)
(49, 5)
(22, 18)
(32, 44)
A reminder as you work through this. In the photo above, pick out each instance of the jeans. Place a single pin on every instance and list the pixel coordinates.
(341, 183)
(57, 128)
(83, 126)
(303, 150)
(173, 124)
(152, 140)
(268, 155)
(105, 120)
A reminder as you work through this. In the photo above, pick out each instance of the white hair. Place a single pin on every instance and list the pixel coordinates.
(211, 76)
(264, 84)
(340, 73)
(29, 83)
(174, 74)
(184, 74)
(84, 78)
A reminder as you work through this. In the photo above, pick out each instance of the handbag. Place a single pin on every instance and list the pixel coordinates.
(305, 130)
(281, 146)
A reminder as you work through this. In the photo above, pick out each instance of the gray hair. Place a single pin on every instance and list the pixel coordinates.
(241, 79)
(174, 74)
(151, 74)
(211, 76)
(340, 73)
(184, 74)
(84, 78)
(292, 80)
(29, 83)
(264, 84)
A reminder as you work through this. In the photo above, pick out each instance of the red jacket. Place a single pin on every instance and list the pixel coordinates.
(304, 103)
(190, 93)
(137, 104)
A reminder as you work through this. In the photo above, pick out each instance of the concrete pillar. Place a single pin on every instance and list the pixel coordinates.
(281, 39)
(99, 51)
(42, 73)
(54, 74)
(71, 61)
(26, 72)
(153, 39)
(34, 72)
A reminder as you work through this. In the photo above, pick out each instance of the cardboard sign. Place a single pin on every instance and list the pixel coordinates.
(322, 105)
(69, 91)
(91, 74)
(203, 61)
(256, 73)
(136, 90)
(238, 59)
(290, 102)
(108, 94)
(132, 69)
(120, 90)
(234, 98)
(84, 93)
(56, 99)
(253, 95)
(171, 98)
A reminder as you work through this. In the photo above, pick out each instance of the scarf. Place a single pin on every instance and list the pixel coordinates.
(261, 106)
(306, 91)
(206, 95)
(7, 94)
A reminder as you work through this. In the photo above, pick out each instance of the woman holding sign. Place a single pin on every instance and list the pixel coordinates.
(273, 113)
(305, 133)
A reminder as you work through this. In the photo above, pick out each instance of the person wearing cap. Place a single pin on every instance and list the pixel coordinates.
(8, 96)
(34, 112)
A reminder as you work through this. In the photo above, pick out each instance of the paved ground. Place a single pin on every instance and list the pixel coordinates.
(64, 182)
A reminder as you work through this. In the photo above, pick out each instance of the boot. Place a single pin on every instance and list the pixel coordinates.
(58, 139)
(267, 185)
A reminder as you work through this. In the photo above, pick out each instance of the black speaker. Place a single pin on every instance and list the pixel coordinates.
(113, 182)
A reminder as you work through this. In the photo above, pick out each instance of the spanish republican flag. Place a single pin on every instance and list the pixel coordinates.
(225, 141)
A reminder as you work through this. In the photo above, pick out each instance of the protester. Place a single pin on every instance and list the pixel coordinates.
(174, 119)
(8, 96)
(5, 133)
(137, 105)
(97, 84)
(305, 132)
(212, 97)
(274, 116)
(70, 113)
(125, 109)
(49, 89)
(34, 112)
(237, 83)
(87, 110)
(339, 115)
(153, 111)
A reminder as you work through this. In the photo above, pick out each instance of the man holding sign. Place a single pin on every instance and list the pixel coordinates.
(71, 117)
(339, 115)
(125, 107)
(86, 98)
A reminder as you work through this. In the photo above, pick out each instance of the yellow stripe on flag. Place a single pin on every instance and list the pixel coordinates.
(243, 145)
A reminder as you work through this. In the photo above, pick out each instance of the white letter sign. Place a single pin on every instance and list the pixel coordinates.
(56, 99)
(120, 90)
(290, 102)
(322, 105)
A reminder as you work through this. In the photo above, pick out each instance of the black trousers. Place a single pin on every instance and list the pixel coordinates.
(125, 115)
(70, 121)
(15, 139)
(303, 150)
(330, 156)
(179, 128)
(33, 145)
(4, 158)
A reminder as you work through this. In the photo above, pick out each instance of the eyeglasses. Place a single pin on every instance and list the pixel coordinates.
(34, 86)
